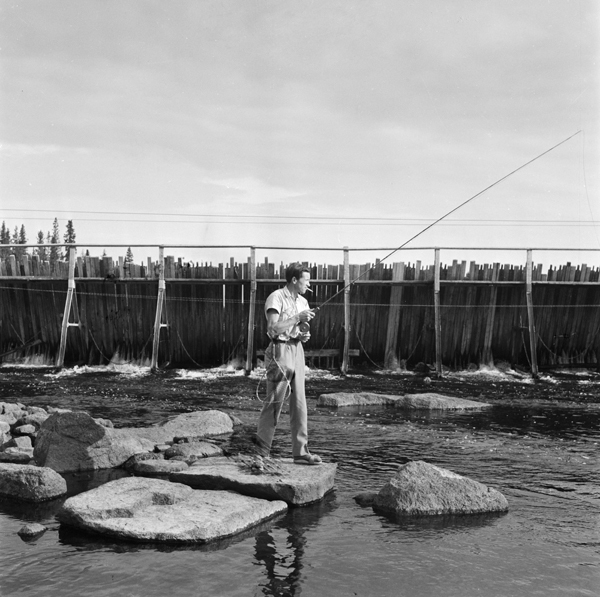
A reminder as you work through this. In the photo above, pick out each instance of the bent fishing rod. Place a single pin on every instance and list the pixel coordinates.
(444, 217)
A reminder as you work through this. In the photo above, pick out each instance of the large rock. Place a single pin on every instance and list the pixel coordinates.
(158, 467)
(420, 488)
(74, 441)
(196, 424)
(193, 451)
(139, 509)
(30, 483)
(426, 401)
(296, 484)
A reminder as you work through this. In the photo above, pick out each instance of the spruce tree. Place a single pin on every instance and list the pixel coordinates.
(69, 236)
(4, 240)
(129, 255)
(55, 252)
(42, 252)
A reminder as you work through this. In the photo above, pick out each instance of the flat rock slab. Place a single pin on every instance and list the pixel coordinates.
(158, 468)
(30, 483)
(189, 452)
(426, 401)
(196, 424)
(420, 488)
(296, 484)
(152, 510)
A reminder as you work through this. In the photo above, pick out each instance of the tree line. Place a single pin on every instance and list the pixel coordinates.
(19, 237)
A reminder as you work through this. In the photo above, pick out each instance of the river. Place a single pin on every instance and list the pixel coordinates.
(537, 444)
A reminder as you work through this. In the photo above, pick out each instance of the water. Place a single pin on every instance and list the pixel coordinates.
(538, 445)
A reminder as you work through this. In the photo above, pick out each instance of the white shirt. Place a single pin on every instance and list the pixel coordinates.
(284, 303)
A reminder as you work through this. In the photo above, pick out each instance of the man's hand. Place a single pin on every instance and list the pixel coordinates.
(305, 316)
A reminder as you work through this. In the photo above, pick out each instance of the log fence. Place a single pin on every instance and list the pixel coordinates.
(179, 313)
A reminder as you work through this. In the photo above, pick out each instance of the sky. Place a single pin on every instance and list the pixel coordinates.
(304, 124)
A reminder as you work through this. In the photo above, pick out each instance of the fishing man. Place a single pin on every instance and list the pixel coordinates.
(287, 314)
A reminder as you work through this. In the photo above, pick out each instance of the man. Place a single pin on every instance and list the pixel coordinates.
(287, 312)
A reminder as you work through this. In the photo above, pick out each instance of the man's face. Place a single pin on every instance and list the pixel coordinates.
(303, 283)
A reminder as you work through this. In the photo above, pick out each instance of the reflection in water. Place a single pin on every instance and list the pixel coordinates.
(281, 549)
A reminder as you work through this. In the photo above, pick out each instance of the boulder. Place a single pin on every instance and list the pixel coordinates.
(20, 442)
(426, 401)
(11, 407)
(8, 418)
(30, 483)
(29, 531)
(158, 467)
(15, 456)
(296, 484)
(4, 427)
(25, 430)
(197, 424)
(193, 451)
(419, 488)
(35, 418)
(129, 464)
(74, 441)
(139, 509)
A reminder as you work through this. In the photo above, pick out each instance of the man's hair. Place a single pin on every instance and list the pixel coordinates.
(294, 270)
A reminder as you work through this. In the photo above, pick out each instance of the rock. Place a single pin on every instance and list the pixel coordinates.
(16, 457)
(74, 441)
(11, 407)
(25, 430)
(30, 483)
(237, 422)
(139, 509)
(199, 424)
(365, 499)
(159, 467)
(105, 423)
(8, 418)
(130, 463)
(162, 447)
(4, 427)
(21, 442)
(356, 399)
(419, 488)
(29, 531)
(32, 410)
(193, 451)
(281, 480)
(426, 401)
(431, 401)
(36, 419)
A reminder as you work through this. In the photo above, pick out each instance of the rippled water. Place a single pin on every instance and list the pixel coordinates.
(541, 451)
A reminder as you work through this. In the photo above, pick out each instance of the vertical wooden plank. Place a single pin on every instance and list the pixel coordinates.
(251, 311)
(159, 307)
(437, 314)
(391, 343)
(529, 296)
(346, 349)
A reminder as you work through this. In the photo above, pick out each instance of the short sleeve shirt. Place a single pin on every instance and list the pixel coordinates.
(284, 303)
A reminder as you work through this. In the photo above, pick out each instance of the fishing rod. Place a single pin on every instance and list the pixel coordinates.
(444, 217)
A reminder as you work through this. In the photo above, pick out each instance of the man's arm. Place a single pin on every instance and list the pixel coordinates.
(276, 327)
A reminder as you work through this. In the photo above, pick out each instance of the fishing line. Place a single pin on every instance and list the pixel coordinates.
(445, 216)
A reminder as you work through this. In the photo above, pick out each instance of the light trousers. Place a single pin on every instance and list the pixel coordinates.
(285, 381)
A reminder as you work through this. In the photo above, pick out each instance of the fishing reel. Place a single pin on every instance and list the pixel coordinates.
(304, 327)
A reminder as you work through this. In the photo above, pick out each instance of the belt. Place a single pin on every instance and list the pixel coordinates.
(289, 341)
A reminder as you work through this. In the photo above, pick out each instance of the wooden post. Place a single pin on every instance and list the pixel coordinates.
(346, 354)
(391, 343)
(159, 307)
(488, 356)
(251, 311)
(531, 322)
(60, 360)
(437, 314)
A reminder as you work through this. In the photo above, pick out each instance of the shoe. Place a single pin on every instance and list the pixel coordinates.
(310, 459)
